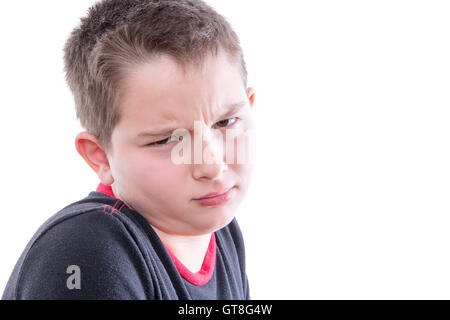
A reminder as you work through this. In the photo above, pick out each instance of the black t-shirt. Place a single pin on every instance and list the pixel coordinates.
(98, 248)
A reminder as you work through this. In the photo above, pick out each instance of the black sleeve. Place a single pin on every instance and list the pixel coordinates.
(238, 241)
(247, 289)
(89, 256)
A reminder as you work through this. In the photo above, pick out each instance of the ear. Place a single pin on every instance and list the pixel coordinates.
(251, 95)
(89, 148)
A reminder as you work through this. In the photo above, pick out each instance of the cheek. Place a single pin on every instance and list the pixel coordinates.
(244, 171)
(240, 150)
(162, 176)
(243, 161)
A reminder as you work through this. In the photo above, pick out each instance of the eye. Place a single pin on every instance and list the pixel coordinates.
(164, 142)
(225, 123)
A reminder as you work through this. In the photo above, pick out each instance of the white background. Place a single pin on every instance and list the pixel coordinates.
(351, 191)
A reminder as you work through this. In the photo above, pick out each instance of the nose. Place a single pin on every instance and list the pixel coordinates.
(211, 165)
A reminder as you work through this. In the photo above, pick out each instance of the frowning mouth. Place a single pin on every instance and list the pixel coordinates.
(214, 194)
(217, 198)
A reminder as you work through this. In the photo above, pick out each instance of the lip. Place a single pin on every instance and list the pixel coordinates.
(214, 194)
(216, 198)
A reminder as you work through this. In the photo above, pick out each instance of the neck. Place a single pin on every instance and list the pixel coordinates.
(190, 250)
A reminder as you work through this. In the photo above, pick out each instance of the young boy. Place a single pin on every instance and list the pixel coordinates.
(154, 228)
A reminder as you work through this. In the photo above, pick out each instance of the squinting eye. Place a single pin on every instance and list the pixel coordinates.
(224, 123)
(164, 142)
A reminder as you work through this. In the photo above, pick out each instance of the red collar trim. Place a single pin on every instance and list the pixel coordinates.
(205, 273)
(106, 190)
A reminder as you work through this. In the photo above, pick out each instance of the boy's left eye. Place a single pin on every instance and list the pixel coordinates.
(225, 123)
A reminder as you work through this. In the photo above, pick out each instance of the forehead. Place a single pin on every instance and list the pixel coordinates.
(160, 91)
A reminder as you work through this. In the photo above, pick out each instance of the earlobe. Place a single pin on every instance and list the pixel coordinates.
(88, 146)
(251, 95)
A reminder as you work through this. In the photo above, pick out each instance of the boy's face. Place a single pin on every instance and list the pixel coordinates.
(157, 96)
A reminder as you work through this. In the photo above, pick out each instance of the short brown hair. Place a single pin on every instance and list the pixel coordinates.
(119, 34)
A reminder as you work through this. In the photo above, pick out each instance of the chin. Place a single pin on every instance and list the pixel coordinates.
(214, 223)
(213, 218)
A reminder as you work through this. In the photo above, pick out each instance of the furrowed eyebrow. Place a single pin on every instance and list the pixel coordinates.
(233, 108)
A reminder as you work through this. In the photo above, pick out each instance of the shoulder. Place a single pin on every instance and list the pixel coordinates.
(92, 242)
(83, 229)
